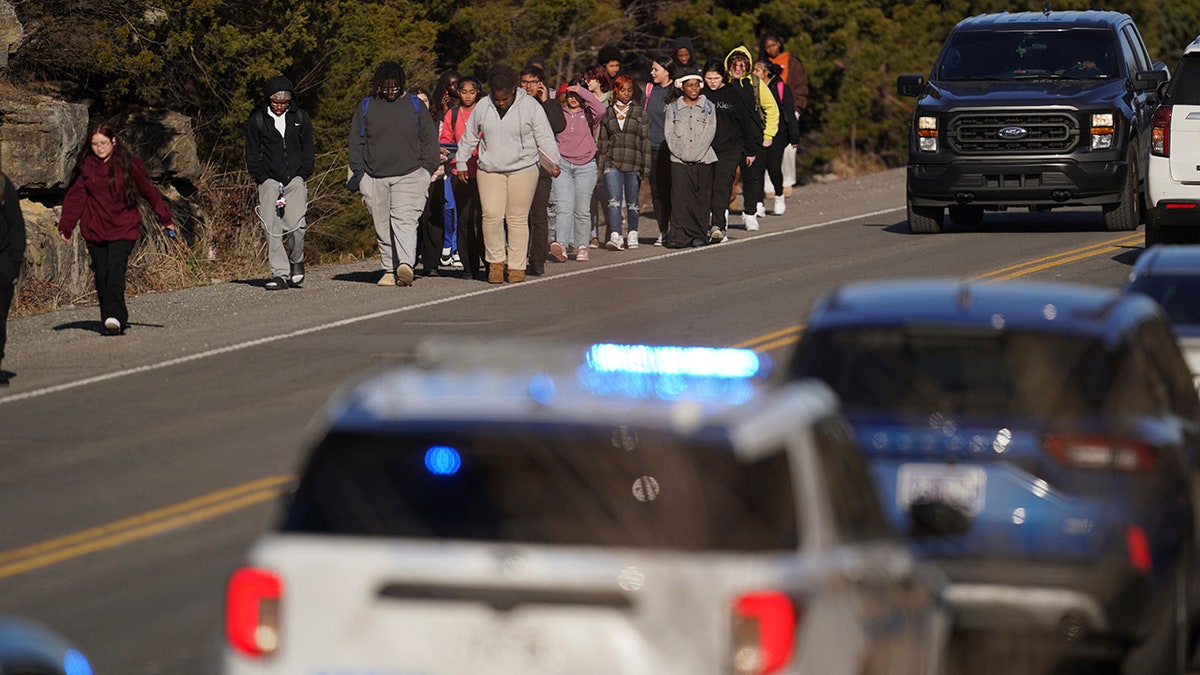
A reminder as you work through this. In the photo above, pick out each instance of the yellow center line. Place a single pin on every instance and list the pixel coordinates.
(1038, 264)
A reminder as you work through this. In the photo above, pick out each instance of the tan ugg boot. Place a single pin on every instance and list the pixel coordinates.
(516, 276)
(495, 273)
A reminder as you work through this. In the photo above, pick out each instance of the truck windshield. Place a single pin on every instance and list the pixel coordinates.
(1076, 54)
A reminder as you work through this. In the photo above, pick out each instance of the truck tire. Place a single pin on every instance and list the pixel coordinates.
(924, 219)
(1123, 215)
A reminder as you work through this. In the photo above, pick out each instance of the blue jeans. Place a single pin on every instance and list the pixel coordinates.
(573, 193)
(622, 185)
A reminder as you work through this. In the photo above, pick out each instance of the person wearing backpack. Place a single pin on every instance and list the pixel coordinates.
(279, 157)
(393, 152)
(576, 182)
(787, 134)
(466, 192)
(738, 139)
(796, 78)
(737, 63)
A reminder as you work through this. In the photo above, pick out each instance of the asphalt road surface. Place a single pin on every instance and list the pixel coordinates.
(137, 469)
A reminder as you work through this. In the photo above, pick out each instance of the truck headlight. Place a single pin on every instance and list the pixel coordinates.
(1103, 130)
(927, 133)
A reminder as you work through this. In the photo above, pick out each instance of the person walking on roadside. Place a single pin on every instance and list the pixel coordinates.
(393, 153)
(796, 78)
(623, 159)
(533, 81)
(689, 129)
(431, 226)
(787, 133)
(279, 157)
(466, 192)
(12, 253)
(103, 193)
(576, 183)
(737, 63)
(513, 135)
(738, 138)
(658, 92)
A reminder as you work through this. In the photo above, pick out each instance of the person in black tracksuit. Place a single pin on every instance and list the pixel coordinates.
(788, 132)
(738, 136)
(12, 252)
(280, 156)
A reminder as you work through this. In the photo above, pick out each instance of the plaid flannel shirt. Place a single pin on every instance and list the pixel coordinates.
(625, 149)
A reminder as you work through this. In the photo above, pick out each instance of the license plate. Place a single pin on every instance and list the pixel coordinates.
(511, 648)
(961, 486)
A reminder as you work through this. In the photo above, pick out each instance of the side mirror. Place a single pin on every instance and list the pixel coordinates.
(937, 519)
(910, 85)
(1149, 80)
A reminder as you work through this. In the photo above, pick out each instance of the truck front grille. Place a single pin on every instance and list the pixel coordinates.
(1044, 133)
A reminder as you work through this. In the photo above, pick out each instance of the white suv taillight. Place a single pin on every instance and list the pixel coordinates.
(1097, 451)
(252, 611)
(764, 632)
(1160, 134)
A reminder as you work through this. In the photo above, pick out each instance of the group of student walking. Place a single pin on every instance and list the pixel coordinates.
(497, 184)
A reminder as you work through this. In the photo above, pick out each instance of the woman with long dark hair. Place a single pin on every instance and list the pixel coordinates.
(466, 193)
(661, 85)
(106, 185)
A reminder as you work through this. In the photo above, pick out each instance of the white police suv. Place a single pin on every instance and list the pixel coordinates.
(1173, 176)
(628, 509)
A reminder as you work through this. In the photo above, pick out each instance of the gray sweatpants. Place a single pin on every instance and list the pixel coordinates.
(395, 204)
(287, 229)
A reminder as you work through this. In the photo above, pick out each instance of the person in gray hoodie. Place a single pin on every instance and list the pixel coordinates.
(513, 135)
(689, 128)
(393, 152)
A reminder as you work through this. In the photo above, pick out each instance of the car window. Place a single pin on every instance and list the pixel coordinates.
(547, 484)
(1137, 46)
(955, 371)
(1185, 81)
(1170, 369)
(856, 509)
(984, 55)
(1129, 55)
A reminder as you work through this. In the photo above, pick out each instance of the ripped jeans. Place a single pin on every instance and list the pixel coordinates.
(622, 186)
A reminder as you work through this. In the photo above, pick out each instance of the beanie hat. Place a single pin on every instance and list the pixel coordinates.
(279, 87)
(608, 53)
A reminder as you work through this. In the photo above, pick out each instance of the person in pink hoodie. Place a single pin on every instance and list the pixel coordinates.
(574, 185)
(102, 199)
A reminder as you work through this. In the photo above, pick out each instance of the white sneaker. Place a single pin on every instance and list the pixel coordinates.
(616, 242)
(456, 262)
(112, 325)
(659, 241)
(632, 241)
(780, 206)
(751, 221)
(759, 211)
(715, 235)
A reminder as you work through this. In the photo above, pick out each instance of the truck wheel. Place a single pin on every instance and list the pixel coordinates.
(1124, 214)
(924, 219)
(966, 215)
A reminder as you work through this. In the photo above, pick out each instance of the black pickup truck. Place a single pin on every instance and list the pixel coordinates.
(1032, 110)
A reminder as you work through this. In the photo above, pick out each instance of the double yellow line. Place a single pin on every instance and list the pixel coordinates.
(44, 554)
(21, 560)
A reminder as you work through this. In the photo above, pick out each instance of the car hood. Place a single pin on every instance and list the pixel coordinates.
(1022, 93)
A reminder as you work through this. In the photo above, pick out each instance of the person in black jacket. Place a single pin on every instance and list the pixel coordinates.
(738, 136)
(12, 252)
(280, 157)
(787, 134)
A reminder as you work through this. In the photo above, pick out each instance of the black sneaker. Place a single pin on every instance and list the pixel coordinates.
(298, 274)
(277, 284)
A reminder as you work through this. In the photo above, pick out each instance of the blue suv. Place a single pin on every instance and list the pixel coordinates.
(1056, 424)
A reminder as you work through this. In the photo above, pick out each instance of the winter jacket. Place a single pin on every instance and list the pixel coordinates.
(577, 143)
(452, 131)
(99, 207)
(12, 232)
(282, 158)
(690, 130)
(737, 130)
(507, 144)
(757, 94)
(624, 149)
(393, 138)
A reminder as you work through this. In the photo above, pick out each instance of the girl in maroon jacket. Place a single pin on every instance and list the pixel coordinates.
(102, 198)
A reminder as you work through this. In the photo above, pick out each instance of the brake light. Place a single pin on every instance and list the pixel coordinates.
(764, 632)
(1098, 451)
(1139, 549)
(252, 611)
(1160, 133)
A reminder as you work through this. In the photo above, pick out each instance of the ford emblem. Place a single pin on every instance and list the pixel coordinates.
(1013, 133)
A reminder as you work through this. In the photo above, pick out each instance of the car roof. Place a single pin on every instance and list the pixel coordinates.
(1193, 47)
(1167, 261)
(1042, 20)
(1041, 306)
(651, 387)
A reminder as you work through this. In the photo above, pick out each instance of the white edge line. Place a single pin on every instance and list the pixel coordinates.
(54, 389)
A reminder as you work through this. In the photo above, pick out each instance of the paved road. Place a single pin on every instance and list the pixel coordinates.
(138, 468)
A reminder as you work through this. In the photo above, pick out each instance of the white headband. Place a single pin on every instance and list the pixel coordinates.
(690, 76)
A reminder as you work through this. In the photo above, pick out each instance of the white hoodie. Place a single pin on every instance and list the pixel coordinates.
(507, 144)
